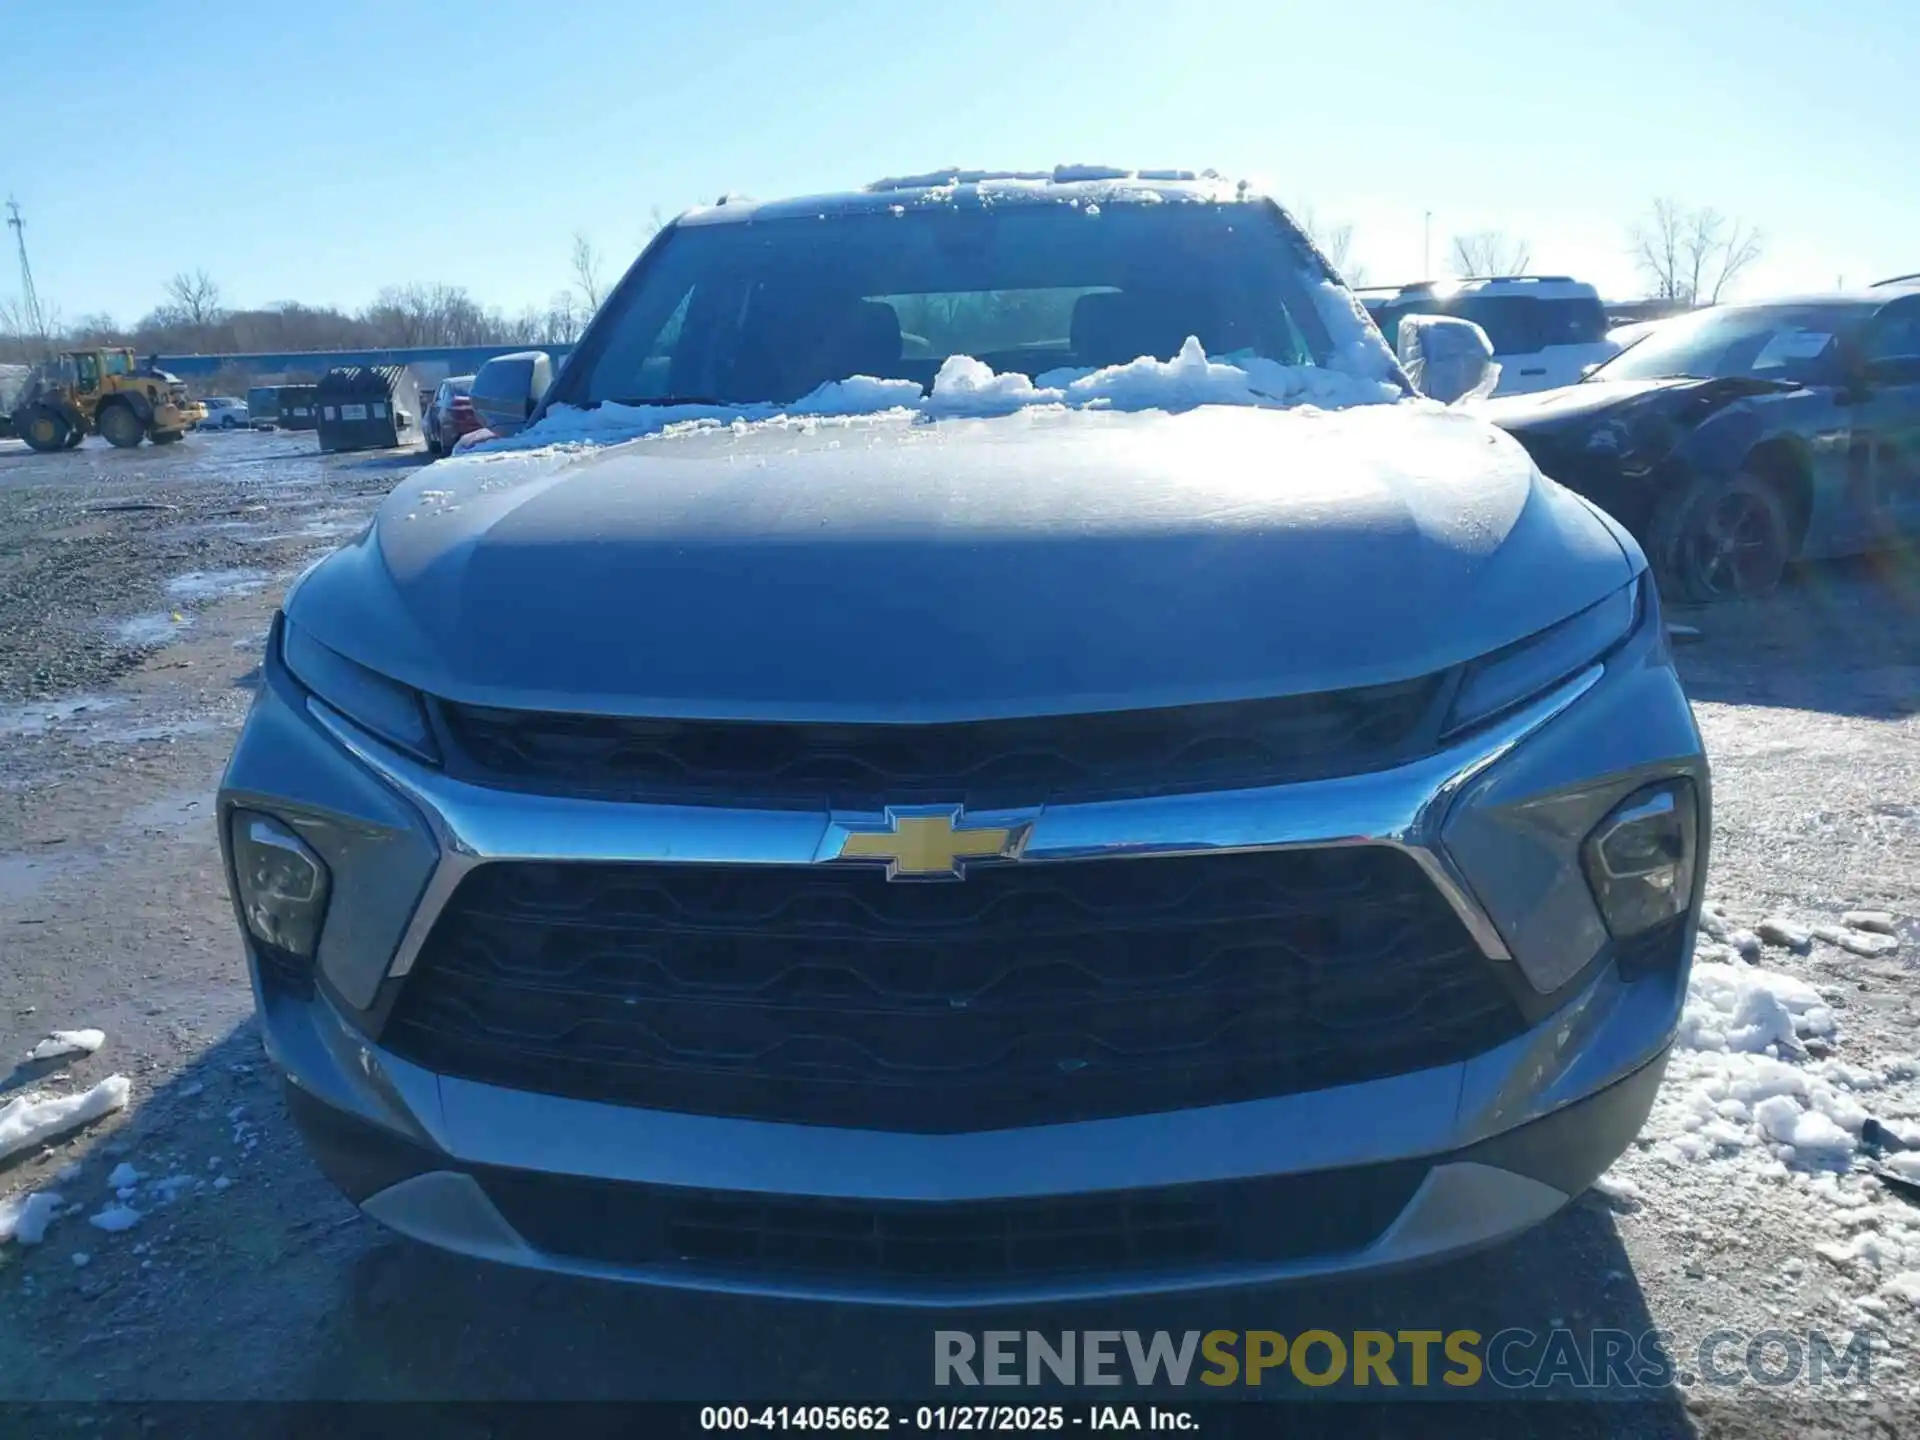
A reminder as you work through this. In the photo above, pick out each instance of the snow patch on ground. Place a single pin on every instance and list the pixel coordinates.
(68, 1042)
(33, 1118)
(116, 1218)
(1744, 1010)
(36, 717)
(1760, 1110)
(25, 1217)
(167, 730)
(145, 632)
(200, 586)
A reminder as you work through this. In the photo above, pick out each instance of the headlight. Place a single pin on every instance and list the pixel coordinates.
(1639, 860)
(282, 884)
(1496, 683)
(370, 700)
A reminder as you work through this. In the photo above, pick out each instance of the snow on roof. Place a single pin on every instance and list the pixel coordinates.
(1059, 175)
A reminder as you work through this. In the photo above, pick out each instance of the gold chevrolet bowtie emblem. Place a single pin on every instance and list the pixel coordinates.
(930, 844)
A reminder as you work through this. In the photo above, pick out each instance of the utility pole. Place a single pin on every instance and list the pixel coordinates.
(30, 315)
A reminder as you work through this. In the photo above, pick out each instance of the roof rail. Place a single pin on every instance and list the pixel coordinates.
(1517, 279)
(1471, 280)
(1896, 280)
(1059, 175)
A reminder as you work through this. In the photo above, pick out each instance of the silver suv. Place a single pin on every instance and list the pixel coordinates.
(981, 745)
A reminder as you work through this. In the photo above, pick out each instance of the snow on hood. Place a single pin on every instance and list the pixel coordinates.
(969, 388)
(1110, 559)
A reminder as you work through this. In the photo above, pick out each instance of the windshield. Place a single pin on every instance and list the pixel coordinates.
(1799, 343)
(761, 311)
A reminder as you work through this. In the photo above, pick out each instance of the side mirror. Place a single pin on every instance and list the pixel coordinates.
(1891, 370)
(509, 388)
(1447, 358)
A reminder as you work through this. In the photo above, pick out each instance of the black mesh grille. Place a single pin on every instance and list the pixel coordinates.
(1027, 994)
(1120, 1233)
(978, 763)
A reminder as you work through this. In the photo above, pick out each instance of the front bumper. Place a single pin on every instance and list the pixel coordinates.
(1434, 1162)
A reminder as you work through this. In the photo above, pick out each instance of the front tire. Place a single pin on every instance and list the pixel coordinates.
(45, 430)
(1722, 538)
(120, 425)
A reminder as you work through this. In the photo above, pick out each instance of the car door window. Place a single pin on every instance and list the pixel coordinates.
(1894, 338)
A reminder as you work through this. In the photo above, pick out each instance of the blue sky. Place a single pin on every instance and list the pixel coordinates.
(319, 152)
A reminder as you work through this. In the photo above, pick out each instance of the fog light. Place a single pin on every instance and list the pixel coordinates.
(1640, 859)
(283, 885)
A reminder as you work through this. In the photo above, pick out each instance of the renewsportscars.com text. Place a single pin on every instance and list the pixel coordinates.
(1510, 1359)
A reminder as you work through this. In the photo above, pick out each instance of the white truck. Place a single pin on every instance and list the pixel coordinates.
(1547, 330)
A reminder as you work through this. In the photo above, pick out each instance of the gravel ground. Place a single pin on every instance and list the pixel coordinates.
(128, 648)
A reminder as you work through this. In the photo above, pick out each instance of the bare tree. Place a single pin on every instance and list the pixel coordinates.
(586, 270)
(411, 315)
(1655, 243)
(20, 337)
(1490, 253)
(1730, 250)
(656, 222)
(1691, 256)
(97, 329)
(195, 297)
(562, 322)
(1335, 241)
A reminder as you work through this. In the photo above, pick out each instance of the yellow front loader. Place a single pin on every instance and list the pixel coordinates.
(106, 392)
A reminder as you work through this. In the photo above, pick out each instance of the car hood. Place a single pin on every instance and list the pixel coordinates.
(1673, 394)
(1572, 402)
(1041, 562)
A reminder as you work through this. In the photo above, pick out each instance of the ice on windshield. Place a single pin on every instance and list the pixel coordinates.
(966, 387)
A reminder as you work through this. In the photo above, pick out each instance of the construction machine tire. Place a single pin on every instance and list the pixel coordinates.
(165, 437)
(43, 429)
(120, 425)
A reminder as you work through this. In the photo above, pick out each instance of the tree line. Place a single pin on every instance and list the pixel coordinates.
(192, 319)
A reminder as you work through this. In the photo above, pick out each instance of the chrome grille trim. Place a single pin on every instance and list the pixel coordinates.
(1402, 808)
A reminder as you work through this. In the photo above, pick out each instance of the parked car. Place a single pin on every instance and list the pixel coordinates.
(225, 412)
(1546, 329)
(449, 414)
(948, 855)
(1734, 440)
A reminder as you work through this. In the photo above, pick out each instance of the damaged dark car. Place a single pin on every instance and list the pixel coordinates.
(1737, 440)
